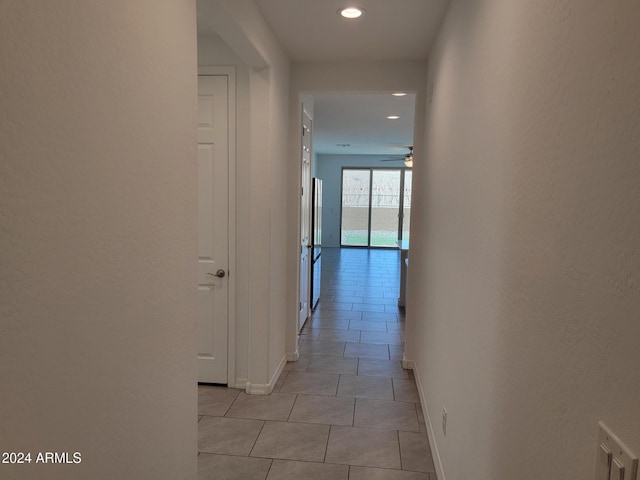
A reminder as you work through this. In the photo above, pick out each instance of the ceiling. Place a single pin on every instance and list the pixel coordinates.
(312, 30)
(359, 120)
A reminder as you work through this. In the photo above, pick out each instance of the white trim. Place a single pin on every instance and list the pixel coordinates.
(230, 72)
(299, 160)
(408, 364)
(278, 372)
(240, 383)
(258, 388)
(435, 453)
(294, 331)
(293, 356)
(266, 389)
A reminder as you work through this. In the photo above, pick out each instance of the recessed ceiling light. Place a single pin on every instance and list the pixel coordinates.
(399, 94)
(351, 12)
(393, 117)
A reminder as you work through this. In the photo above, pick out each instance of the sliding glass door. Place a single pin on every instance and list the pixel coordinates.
(385, 208)
(355, 207)
(375, 206)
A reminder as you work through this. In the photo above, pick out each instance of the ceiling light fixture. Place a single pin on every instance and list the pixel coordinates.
(399, 94)
(407, 159)
(393, 117)
(351, 12)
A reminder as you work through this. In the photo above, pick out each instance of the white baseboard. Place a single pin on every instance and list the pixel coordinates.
(293, 356)
(435, 453)
(267, 388)
(278, 372)
(239, 383)
(407, 364)
(259, 388)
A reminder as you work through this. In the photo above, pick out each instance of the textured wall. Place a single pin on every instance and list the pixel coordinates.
(525, 260)
(98, 237)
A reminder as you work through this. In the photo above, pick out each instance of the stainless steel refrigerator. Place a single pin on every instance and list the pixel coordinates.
(316, 237)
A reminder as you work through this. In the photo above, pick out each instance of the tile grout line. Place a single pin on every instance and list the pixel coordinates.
(353, 420)
(264, 422)
(231, 405)
(393, 389)
(399, 449)
(326, 447)
(269, 471)
(292, 407)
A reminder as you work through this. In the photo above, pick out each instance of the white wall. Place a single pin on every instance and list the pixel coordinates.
(262, 174)
(98, 272)
(329, 169)
(524, 284)
(279, 126)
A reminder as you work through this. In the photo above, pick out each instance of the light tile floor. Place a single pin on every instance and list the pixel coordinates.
(346, 410)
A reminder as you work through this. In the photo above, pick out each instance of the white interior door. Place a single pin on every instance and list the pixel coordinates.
(213, 227)
(305, 220)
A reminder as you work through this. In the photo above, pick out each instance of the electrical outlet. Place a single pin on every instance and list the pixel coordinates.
(444, 421)
(614, 460)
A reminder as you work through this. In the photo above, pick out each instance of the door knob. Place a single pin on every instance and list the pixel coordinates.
(220, 273)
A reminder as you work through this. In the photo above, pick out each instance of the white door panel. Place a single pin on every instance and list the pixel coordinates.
(213, 227)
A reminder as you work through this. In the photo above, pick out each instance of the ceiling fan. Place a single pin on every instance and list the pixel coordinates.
(408, 158)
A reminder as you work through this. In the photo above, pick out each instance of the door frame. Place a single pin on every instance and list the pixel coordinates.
(305, 186)
(230, 72)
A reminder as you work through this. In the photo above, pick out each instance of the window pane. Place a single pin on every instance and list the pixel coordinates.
(385, 207)
(355, 208)
(406, 221)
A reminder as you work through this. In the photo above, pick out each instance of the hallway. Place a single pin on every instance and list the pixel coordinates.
(346, 409)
